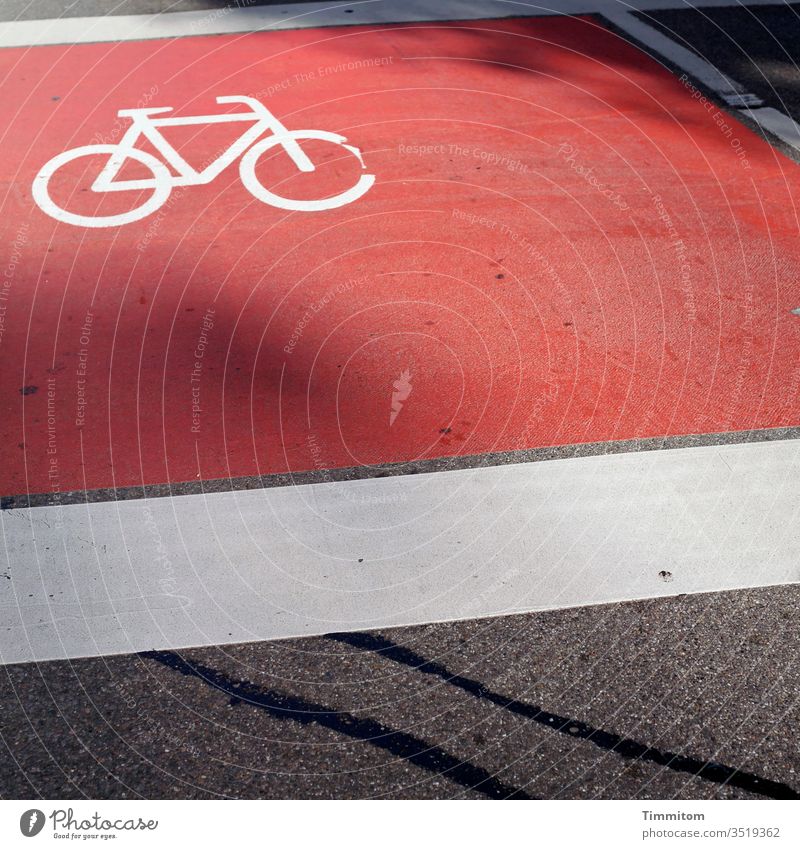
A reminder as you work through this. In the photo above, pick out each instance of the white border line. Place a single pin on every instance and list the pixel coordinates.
(778, 123)
(192, 570)
(729, 91)
(29, 33)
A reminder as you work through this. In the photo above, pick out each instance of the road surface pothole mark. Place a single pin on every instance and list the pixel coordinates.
(398, 743)
(625, 748)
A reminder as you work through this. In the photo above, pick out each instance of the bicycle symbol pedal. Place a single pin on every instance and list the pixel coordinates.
(250, 146)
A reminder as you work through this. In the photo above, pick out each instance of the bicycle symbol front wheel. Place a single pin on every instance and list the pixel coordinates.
(247, 171)
(162, 186)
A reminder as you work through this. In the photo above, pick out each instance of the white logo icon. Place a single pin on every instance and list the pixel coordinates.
(402, 389)
(31, 822)
(163, 181)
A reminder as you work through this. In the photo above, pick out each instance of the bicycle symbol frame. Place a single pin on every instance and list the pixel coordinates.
(163, 180)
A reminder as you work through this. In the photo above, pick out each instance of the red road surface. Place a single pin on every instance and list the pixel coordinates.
(538, 300)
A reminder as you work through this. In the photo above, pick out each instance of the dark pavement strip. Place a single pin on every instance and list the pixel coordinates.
(708, 678)
(757, 46)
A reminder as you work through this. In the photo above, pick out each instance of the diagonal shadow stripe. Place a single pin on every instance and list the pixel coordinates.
(622, 746)
(398, 743)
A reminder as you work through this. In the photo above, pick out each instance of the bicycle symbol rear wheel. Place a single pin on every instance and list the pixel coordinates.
(162, 180)
(247, 171)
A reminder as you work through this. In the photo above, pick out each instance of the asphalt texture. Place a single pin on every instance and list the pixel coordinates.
(687, 698)
(758, 47)
(691, 698)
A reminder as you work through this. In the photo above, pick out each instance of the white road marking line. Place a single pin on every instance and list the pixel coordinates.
(302, 15)
(777, 123)
(730, 91)
(227, 567)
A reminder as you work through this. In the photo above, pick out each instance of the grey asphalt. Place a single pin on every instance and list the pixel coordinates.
(758, 46)
(690, 697)
(433, 712)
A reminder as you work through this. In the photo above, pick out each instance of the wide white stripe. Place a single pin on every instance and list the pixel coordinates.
(263, 564)
(232, 19)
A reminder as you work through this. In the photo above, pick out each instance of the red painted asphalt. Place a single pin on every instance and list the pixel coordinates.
(579, 252)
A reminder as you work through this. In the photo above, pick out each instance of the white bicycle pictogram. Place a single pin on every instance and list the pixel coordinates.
(163, 180)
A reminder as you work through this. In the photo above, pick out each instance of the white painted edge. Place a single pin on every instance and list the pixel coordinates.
(234, 19)
(730, 91)
(777, 123)
(684, 58)
(194, 570)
